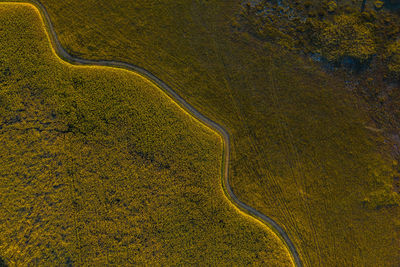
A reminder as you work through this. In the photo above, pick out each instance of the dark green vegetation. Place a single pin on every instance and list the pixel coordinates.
(354, 41)
(304, 152)
(339, 32)
(98, 166)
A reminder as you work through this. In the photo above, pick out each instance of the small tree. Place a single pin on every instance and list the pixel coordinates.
(393, 56)
(346, 37)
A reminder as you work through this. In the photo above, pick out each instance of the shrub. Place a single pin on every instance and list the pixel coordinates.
(382, 198)
(379, 4)
(331, 6)
(393, 56)
(346, 37)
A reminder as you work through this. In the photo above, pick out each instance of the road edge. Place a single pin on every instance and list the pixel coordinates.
(222, 132)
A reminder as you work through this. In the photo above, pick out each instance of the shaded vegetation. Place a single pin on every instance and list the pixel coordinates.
(335, 30)
(99, 167)
(304, 152)
(346, 37)
(357, 45)
(393, 56)
(2, 263)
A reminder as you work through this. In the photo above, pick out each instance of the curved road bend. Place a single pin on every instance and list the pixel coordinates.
(210, 123)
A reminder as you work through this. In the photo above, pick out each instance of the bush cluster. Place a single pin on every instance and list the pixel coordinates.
(346, 37)
(393, 56)
(335, 31)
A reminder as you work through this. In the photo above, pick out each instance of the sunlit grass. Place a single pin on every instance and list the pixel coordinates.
(302, 150)
(98, 166)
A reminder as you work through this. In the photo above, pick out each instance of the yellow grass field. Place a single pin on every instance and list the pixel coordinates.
(100, 167)
(303, 149)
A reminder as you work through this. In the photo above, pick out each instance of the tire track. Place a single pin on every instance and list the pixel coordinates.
(60, 51)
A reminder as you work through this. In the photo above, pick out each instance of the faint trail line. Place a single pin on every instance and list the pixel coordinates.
(278, 230)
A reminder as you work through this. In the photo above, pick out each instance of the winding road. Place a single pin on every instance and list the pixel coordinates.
(178, 99)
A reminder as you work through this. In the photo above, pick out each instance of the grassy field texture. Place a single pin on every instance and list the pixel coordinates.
(360, 47)
(303, 150)
(98, 166)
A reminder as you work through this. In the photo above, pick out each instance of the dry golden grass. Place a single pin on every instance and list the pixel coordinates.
(302, 152)
(98, 166)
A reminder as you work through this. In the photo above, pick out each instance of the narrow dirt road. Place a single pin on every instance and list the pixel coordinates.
(178, 99)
